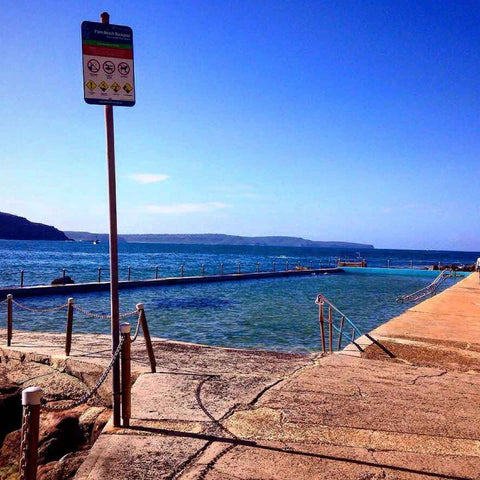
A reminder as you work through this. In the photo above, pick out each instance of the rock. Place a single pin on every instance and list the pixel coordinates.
(92, 422)
(60, 434)
(10, 453)
(11, 409)
(65, 468)
(62, 280)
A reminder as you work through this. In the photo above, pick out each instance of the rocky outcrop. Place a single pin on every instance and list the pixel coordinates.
(65, 437)
(62, 281)
(13, 227)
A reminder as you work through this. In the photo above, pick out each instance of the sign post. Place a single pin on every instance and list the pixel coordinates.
(108, 80)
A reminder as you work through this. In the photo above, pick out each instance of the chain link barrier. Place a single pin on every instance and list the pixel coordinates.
(90, 393)
(24, 441)
(100, 315)
(39, 310)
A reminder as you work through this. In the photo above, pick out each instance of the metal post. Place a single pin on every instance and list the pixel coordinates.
(146, 334)
(342, 321)
(156, 272)
(310, 264)
(128, 273)
(99, 274)
(273, 266)
(411, 263)
(322, 326)
(112, 204)
(21, 278)
(126, 374)
(203, 269)
(258, 267)
(330, 329)
(181, 270)
(221, 269)
(68, 340)
(31, 399)
(64, 271)
(9, 319)
(239, 268)
(388, 263)
(286, 266)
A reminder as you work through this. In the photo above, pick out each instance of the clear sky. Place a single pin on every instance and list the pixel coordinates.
(332, 120)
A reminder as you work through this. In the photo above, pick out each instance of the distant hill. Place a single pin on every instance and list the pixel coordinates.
(13, 227)
(218, 239)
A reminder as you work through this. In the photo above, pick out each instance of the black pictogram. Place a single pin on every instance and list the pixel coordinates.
(93, 65)
(108, 67)
(124, 68)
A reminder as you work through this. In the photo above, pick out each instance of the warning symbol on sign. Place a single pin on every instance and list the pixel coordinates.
(127, 87)
(91, 85)
(115, 87)
(108, 67)
(93, 65)
(124, 68)
(103, 85)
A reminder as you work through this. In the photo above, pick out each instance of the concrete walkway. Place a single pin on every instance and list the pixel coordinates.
(221, 414)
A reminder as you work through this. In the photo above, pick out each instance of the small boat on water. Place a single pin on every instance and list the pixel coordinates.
(96, 241)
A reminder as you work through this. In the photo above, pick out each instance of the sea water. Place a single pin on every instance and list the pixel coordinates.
(274, 314)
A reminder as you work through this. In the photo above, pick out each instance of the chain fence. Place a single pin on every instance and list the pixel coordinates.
(101, 315)
(39, 310)
(91, 392)
(24, 446)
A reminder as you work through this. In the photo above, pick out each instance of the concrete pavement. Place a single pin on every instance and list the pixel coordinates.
(219, 414)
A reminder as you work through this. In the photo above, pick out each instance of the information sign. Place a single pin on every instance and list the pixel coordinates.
(108, 64)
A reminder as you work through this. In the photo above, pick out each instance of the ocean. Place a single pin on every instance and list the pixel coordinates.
(274, 314)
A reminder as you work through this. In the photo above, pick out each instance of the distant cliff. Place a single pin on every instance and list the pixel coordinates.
(13, 227)
(218, 239)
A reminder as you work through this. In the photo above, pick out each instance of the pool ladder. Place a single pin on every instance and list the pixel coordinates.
(430, 289)
(340, 328)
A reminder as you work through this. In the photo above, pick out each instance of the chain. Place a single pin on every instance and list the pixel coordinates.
(24, 443)
(86, 396)
(91, 314)
(102, 316)
(128, 314)
(39, 310)
(4, 301)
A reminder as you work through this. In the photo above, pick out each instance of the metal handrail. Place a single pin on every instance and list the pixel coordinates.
(430, 289)
(321, 301)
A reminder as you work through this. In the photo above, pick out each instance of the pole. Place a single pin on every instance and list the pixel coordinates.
(9, 319)
(31, 399)
(112, 206)
(146, 336)
(126, 375)
(21, 278)
(68, 340)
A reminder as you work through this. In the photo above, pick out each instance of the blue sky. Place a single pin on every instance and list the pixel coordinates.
(331, 120)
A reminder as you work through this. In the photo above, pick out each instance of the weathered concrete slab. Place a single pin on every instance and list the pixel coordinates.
(451, 317)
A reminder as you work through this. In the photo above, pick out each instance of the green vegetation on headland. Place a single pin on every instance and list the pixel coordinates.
(13, 227)
(217, 239)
